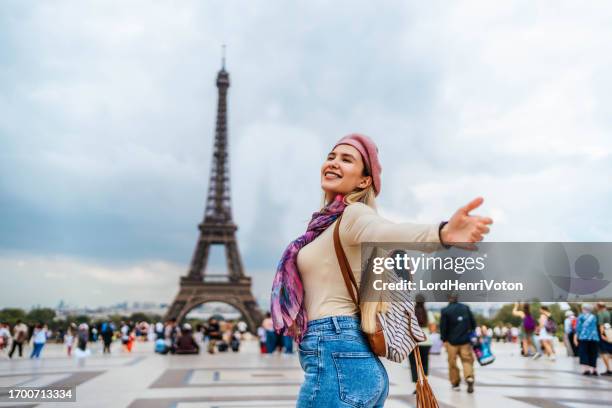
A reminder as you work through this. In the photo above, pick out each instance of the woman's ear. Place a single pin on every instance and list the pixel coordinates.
(365, 182)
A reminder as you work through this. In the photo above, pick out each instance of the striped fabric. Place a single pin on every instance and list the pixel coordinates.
(400, 326)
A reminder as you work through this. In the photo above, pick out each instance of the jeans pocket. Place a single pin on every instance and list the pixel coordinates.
(307, 354)
(360, 378)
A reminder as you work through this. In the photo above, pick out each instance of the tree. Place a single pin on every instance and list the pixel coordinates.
(504, 316)
(11, 315)
(43, 315)
(480, 320)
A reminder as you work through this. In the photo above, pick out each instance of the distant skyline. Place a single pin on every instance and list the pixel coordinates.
(108, 114)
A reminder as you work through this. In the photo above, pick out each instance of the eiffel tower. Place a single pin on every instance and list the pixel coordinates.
(217, 228)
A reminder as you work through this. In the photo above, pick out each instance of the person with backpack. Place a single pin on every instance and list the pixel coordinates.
(457, 324)
(311, 300)
(527, 330)
(107, 331)
(547, 329)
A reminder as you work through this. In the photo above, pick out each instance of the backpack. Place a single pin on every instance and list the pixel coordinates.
(397, 330)
(550, 326)
(529, 323)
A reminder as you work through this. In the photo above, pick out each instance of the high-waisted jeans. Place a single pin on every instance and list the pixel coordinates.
(340, 370)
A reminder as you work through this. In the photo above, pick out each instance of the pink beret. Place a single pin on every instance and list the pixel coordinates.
(369, 154)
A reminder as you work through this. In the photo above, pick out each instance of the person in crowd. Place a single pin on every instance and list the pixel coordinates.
(159, 330)
(94, 333)
(171, 332)
(242, 328)
(425, 319)
(527, 330)
(456, 326)
(514, 334)
(497, 333)
(605, 343)
(39, 338)
(20, 336)
(5, 336)
(287, 344)
(261, 334)
(131, 340)
(69, 338)
(151, 335)
(124, 330)
(185, 343)
(569, 325)
(213, 332)
(587, 340)
(107, 331)
(198, 334)
(547, 329)
(505, 335)
(82, 338)
(436, 340)
(235, 340)
(271, 337)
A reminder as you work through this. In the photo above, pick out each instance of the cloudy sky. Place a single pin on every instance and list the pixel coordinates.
(107, 118)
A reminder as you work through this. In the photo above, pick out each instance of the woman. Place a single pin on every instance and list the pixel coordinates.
(69, 338)
(309, 298)
(526, 334)
(546, 338)
(426, 321)
(39, 338)
(587, 340)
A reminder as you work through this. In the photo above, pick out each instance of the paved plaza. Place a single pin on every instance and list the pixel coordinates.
(247, 379)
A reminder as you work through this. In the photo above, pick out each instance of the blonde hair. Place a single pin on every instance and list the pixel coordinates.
(370, 308)
(365, 196)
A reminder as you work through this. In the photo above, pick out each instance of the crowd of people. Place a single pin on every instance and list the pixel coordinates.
(168, 338)
(587, 336)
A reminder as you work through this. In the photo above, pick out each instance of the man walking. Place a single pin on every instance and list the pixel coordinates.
(456, 325)
(20, 336)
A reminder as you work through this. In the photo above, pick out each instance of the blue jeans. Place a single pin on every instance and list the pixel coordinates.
(340, 370)
(36, 350)
(271, 341)
(288, 344)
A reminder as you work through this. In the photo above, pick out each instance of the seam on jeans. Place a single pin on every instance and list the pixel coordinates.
(385, 381)
(352, 354)
(317, 382)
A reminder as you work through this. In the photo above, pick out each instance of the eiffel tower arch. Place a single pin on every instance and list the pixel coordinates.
(217, 228)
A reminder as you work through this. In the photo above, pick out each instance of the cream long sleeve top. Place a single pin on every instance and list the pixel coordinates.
(325, 292)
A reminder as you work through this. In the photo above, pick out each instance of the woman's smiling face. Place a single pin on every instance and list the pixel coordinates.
(342, 171)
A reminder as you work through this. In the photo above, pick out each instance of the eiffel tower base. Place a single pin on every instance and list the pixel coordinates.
(237, 294)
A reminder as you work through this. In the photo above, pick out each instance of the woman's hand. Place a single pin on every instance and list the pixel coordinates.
(464, 228)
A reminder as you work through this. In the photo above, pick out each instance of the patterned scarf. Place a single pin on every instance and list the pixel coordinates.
(287, 302)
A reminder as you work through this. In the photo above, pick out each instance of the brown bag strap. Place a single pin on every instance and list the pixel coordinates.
(347, 273)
